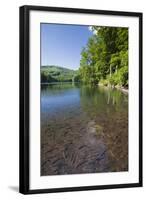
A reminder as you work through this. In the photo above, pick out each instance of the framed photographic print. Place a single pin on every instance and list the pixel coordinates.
(80, 99)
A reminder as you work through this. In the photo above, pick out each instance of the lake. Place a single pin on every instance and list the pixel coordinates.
(84, 129)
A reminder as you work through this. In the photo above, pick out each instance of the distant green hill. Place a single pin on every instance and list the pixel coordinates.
(53, 73)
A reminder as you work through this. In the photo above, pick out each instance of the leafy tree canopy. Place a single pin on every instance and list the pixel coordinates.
(105, 57)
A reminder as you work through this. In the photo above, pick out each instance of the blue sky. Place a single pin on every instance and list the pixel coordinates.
(62, 44)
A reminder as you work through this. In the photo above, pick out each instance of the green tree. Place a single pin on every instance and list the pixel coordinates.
(105, 57)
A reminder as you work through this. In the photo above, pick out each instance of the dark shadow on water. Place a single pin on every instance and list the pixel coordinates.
(14, 188)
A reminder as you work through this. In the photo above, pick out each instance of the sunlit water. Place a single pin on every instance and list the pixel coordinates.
(84, 129)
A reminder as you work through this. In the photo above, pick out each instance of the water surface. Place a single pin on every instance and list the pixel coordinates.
(84, 129)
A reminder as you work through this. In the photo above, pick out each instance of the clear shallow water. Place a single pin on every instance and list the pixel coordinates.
(84, 129)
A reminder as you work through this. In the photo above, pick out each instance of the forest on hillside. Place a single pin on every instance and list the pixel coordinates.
(52, 73)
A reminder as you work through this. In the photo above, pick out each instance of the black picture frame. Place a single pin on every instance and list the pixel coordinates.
(25, 105)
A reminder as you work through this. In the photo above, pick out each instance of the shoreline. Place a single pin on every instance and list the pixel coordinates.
(122, 89)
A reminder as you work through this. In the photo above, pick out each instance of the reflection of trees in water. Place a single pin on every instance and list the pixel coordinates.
(109, 109)
(102, 100)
